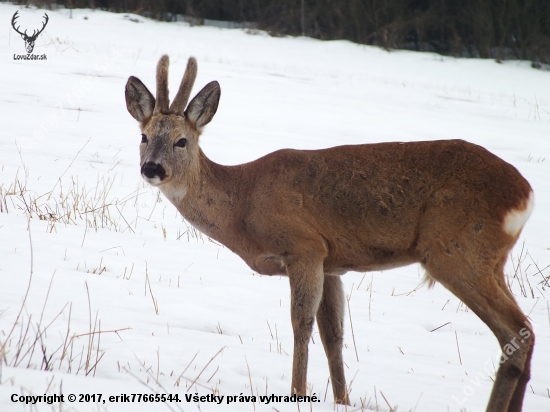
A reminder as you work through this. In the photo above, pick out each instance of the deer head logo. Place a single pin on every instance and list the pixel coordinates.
(29, 40)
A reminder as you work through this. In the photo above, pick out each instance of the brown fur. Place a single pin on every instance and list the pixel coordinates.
(314, 215)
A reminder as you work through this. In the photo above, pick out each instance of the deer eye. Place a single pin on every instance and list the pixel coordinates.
(143, 138)
(181, 143)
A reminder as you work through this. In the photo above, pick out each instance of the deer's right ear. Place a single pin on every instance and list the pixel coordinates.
(139, 100)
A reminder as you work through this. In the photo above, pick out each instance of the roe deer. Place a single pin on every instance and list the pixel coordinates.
(451, 206)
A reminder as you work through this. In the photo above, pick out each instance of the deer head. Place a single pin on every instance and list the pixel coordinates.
(29, 40)
(170, 134)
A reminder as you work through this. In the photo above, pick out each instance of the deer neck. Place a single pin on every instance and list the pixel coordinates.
(208, 198)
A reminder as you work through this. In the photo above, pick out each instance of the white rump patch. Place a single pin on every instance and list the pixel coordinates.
(516, 218)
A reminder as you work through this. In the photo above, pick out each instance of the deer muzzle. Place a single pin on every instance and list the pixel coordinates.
(152, 170)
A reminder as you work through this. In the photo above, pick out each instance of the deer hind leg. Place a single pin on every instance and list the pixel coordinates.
(330, 320)
(306, 290)
(515, 364)
(478, 288)
(516, 402)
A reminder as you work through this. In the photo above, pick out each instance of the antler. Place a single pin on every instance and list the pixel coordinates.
(34, 35)
(186, 85)
(182, 96)
(161, 104)
(15, 16)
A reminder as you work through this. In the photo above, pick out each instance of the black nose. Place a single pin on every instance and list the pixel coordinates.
(151, 170)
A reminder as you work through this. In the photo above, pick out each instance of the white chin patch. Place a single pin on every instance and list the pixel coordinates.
(516, 218)
(155, 181)
(174, 194)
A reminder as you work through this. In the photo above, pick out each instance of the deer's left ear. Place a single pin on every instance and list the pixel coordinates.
(204, 105)
(139, 100)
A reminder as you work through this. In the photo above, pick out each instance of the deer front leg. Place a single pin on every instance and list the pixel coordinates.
(306, 290)
(330, 321)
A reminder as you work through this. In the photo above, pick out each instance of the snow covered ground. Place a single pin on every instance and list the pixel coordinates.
(125, 298)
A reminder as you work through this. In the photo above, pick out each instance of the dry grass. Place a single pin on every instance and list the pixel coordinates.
(73, 203)
(67, 205)
(24, 345)
(51, 343)
(528, 277)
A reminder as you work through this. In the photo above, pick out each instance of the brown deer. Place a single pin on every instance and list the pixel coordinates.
(451, 206)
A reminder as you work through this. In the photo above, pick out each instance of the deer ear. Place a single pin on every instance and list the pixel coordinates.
(204, 105)
(139, 100)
